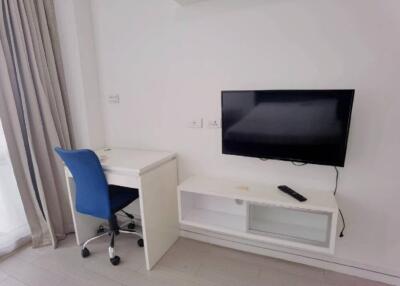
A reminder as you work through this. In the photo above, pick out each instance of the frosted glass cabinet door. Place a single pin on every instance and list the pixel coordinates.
(309, 227)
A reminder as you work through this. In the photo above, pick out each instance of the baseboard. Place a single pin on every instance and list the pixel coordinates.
(249, 246)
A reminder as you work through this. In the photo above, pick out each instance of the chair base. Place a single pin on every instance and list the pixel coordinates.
(130, 224)
(113, 231)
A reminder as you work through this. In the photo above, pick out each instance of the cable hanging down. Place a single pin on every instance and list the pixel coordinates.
(344, 224)
(340, 211)
(336, 180)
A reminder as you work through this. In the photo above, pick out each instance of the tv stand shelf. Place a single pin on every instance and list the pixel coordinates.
(260, 213)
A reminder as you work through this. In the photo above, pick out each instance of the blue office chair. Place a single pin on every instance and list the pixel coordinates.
(96, 198)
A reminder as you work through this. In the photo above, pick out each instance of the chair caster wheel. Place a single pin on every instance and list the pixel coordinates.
(115, 260)
(140, 243)
(131, 226)
(100, 230)
(85, 252)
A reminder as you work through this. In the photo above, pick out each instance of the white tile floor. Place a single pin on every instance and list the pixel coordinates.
(188, 263)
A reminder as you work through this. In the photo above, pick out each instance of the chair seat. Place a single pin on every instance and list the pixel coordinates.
(120, 197)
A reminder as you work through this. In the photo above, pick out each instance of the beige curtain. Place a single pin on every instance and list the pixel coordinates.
(34, 113)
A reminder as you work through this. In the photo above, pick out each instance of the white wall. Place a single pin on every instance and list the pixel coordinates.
(75, 27)
(170, 62)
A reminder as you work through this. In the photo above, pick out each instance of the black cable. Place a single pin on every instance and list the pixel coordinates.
(334, 193)
(298, 164)
(344, 224)
(337, 179)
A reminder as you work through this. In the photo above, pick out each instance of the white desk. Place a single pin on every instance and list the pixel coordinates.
(154, 174)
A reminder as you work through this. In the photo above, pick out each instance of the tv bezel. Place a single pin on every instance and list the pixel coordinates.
(339, 164)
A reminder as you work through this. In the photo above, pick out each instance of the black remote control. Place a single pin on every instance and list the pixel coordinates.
(292, 193)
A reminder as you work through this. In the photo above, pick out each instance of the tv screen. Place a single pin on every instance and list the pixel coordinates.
(309, 126)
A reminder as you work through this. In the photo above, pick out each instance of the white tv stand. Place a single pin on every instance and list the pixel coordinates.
(259, 213)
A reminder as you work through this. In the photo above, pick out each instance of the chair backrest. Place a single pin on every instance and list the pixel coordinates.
(92, 195)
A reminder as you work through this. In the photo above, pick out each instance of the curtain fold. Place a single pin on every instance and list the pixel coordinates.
(14, 229)
(35, 115)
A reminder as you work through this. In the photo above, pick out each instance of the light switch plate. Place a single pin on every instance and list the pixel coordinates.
(214, 123)
(113, 99)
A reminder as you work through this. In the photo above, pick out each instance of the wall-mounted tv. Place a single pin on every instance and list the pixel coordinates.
(309, 126)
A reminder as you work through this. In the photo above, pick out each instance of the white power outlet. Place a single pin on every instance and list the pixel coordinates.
(113, 99)
(196, 123)
(214, 123)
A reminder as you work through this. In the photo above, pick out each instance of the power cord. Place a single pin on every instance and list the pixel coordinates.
(344, 224)
(336, 180)
(340, 211)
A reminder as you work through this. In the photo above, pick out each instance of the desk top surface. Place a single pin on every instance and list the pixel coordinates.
(132, 160)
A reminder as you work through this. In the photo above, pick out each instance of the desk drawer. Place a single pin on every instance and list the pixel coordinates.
(123, 180)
